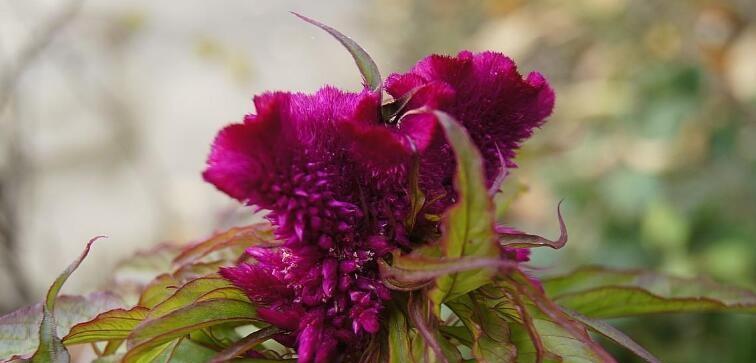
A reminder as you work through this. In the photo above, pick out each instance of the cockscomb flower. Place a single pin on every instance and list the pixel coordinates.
(297, 158)
(335, 176)
(488, 96)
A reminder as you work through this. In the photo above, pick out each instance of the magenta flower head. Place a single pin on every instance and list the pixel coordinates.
(336, 176)
(296, 158)
(488, 96)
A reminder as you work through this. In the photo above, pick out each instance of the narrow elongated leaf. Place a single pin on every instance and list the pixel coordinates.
(546, 331)
(177, 351)
(245, 344)
(417, 197)
(235, 240)
(51, 348)
(605, 293)
(468, 225)
(411, 273)
(507, 238)
(615, 335)
(399, 347)
(430, 343)
(19, 330)
(108, 326)
(368, 68)
(200, 315)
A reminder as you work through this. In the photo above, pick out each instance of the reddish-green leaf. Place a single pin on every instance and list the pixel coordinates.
(195, 290)
(19, 330)
(111, 325)
(155, 332)
(615, 335)
(468, 225)
(51, 347)
(489, 330)
(245, 344)
(234, 240)
(525, 240)
(605, 293)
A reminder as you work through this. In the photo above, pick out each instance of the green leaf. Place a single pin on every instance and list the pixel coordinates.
(468, 225)
(417, 197)
(177, 351)
(111, 325)
(164, 286)
(368, 68)
(51, 347)
(201, 288)
(399, 347)
(204, 314)
(19, 330)
(544, 330)
(428, 345)
(615, 335)
(489, 330)
(605, 293)
(245, 344)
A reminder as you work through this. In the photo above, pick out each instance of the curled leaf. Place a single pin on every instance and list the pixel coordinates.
(507, 238)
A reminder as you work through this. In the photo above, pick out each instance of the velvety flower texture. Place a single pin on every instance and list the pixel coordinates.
(334, 177)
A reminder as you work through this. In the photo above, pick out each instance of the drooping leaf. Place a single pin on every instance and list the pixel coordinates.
(615, 335)
(51, 347)
(545, 330)
(19, 330)
(605, 293)
(369, 70)
(111, 325)
(204, 314)
(507, 238)
(468, 225)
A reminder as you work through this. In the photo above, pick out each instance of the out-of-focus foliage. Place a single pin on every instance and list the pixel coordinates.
(652, 143)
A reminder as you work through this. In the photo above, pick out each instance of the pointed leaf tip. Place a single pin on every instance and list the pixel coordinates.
(51, 347)
(369, 70)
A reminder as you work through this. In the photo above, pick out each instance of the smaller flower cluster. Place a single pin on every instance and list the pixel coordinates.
(335, 177)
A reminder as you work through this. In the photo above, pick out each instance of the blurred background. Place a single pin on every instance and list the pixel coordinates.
(108, 108)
